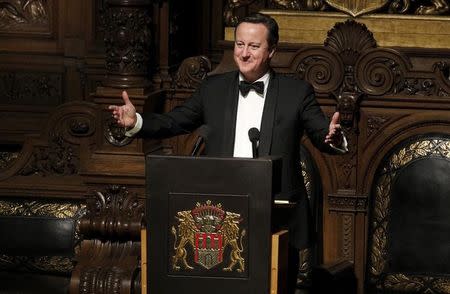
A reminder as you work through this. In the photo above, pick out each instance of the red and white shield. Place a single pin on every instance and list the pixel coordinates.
(208, 249)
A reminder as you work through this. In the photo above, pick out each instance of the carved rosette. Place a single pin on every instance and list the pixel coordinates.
(378, 261)
(127, 41)
(191, 73)
(321, 67)
(114, 214)
(115, 134)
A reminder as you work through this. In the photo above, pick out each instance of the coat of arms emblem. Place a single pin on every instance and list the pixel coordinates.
(208, 230)
(358, 7)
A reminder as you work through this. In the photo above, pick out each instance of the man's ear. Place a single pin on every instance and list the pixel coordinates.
(272, 51)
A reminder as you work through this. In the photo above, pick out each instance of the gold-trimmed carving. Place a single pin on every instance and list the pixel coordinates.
(378, 248)
(41, 208)
(307, 180)
(357, 7)
(60, 209)
(305, 267)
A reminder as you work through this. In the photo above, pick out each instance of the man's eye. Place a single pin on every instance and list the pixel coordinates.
(239, 45)
(254, 47)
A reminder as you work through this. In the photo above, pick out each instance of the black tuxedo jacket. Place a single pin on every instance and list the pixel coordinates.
(290, 110)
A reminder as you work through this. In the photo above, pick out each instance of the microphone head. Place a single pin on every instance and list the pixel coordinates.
(204, 131)
(253, 134)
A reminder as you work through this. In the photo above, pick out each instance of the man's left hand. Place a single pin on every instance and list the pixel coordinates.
(334, 136)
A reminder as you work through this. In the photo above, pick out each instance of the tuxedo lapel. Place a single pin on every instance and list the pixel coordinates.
(267, 121)
(231, 101)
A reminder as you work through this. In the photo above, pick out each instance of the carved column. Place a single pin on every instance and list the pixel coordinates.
(127, 43)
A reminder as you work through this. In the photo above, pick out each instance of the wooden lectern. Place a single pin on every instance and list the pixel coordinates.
(209, 226)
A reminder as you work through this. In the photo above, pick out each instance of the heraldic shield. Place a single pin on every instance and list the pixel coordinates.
(208, 230)
(209, 223)
(357, 7)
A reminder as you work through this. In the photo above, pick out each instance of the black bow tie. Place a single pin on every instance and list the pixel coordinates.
(245, 87)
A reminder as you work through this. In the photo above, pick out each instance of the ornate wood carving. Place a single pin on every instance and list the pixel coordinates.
(374, 124)
(58, 158)
(127, 41)
(24, 15)
(192, 72)
(114, 214)
(28, 88)
(348, 203)
(107, 267)
(109, 261)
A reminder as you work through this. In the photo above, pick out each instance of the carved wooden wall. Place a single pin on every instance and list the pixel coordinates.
(385, 95)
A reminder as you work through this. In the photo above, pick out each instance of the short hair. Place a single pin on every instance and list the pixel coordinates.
(267, 21)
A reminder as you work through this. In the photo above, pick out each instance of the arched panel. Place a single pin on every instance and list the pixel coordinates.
(409, 217)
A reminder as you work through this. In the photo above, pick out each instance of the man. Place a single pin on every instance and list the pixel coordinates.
(281, 107)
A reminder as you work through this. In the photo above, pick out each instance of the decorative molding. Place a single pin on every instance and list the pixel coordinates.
(347, 203)
(36, 88)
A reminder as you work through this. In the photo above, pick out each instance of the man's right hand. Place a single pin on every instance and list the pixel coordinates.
(125, 115)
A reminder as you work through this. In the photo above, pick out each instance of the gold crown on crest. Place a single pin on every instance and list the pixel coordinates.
(208, 217)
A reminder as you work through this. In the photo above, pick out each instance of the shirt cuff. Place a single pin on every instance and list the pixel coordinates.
(342, 149)
(137, 127)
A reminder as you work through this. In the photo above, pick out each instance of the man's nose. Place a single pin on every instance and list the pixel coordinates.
(245, 52)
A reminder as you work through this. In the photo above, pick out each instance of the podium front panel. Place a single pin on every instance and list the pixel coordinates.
(209, 224)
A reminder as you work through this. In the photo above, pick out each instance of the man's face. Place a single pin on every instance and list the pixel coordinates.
(251, 50)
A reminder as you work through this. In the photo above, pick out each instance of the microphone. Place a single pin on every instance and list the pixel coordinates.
(253, 135)
(203, 133)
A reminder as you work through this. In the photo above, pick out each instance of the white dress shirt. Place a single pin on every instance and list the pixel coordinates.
(249, 114)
